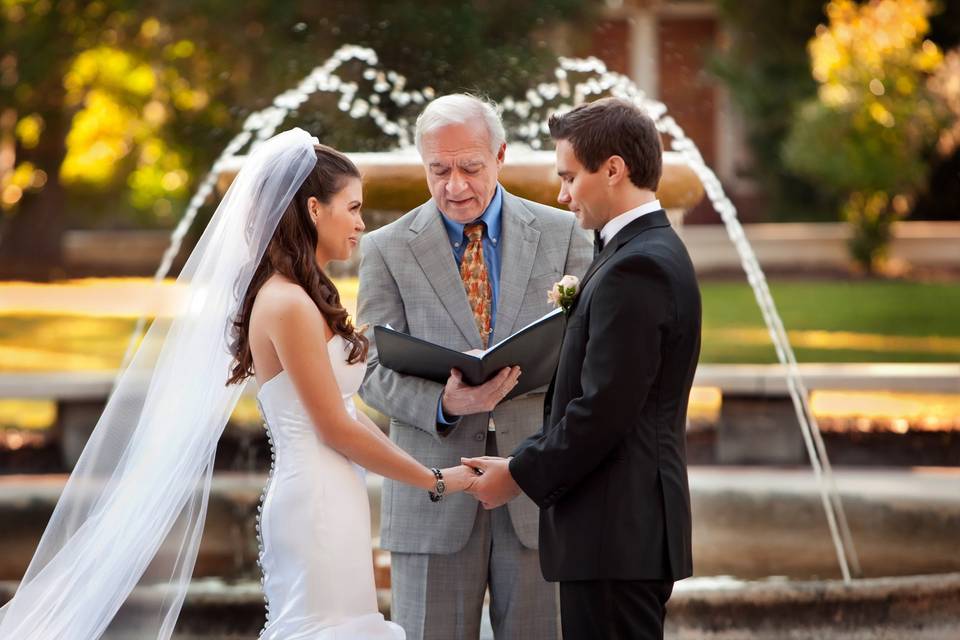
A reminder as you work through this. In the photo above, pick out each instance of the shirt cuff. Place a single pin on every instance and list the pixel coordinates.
(442, 417)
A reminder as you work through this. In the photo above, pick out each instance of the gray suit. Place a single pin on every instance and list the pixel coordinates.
(409, 279)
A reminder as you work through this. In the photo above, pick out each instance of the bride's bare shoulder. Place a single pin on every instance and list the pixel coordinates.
(279, 301)
(280, 290)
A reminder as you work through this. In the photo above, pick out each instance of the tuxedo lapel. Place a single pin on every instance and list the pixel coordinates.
(430, 245)
(598, 262)
(652, 220)
(517, 254)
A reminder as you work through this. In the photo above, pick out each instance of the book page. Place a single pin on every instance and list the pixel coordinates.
(549, 314)
(473, 353)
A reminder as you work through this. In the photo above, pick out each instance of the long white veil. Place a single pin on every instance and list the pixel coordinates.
(132, 512)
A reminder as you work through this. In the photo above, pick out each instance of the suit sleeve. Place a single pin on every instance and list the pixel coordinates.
(628, 315)
(411, 400)
(580, 252)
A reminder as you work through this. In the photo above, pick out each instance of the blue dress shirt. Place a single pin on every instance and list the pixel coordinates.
(492, 218)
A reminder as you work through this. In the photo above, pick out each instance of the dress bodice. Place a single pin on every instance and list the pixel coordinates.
(278, 397)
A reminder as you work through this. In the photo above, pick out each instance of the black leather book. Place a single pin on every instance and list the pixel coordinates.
(535, 349)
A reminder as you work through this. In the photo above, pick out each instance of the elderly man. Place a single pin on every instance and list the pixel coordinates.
(465, 269)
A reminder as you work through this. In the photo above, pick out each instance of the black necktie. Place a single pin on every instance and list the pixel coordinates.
(597, 243)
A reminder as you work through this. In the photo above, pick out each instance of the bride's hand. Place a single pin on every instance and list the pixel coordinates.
(458, 478)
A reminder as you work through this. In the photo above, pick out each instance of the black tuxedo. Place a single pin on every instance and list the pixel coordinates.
(608, 469)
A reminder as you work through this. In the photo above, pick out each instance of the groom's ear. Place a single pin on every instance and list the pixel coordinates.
(616, 170)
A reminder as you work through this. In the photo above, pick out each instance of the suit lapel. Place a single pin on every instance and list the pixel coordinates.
(431, 248)
(652, 220)
(598, 262)
(517, 254)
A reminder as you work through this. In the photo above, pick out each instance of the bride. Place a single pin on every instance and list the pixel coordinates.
(255, 300)
(309, 362)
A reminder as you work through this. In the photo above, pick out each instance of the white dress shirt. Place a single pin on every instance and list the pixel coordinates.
(615, 224)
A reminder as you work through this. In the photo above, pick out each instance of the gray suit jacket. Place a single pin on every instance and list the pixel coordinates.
(409, 280)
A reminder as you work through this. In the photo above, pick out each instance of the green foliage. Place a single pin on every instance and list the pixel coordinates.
(146, 94)
(871, 216)
(869, 133)
(766, 69)
(843, 153)
(96, 91)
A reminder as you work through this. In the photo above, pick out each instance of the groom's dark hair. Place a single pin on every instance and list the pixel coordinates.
(613, 127)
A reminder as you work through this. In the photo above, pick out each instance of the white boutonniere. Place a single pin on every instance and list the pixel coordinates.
(563, 293)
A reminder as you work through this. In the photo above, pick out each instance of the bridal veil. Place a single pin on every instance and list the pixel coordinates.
(117, 555)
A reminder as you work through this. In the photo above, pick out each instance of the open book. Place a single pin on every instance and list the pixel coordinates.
(535, 349)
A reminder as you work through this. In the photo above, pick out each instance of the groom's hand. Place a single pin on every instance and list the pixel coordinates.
(495, 486)
(460, 399)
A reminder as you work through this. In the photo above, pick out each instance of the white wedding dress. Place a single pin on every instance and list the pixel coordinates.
(314, 523)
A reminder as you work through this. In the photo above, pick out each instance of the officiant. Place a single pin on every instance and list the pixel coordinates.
(465, 270)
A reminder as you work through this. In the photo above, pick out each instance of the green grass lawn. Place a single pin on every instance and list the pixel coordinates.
(835, 321)
(828, 321)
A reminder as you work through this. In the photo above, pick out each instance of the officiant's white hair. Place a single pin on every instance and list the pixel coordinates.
(460, 108)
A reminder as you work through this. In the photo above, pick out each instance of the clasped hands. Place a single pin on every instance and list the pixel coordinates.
(486, 478)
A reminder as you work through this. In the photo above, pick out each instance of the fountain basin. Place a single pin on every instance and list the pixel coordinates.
(756, 522)
(748, 522)
(915, 607)
(752, 523)
(395, 180)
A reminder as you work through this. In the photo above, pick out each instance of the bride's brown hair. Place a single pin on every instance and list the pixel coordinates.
(292, 253)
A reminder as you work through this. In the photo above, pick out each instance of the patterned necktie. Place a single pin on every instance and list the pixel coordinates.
(476, 281)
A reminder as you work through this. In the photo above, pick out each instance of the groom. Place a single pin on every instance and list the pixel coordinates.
(608, 470)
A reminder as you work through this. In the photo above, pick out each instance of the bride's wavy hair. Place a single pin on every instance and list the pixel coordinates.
(292, 253)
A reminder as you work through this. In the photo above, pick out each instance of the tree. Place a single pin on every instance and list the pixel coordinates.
(767, 72)
(89, 90)
(119, 107)
(868, 134)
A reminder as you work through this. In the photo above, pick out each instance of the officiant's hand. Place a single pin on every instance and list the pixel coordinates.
(460, 399)
(494, 486)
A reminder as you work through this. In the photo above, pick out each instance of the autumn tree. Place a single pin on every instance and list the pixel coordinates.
(120, 107)
(89, 92)
(869, 133)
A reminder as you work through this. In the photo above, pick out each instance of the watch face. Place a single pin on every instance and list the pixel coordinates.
(440, 486)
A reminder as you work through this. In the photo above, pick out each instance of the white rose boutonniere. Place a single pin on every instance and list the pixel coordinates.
(563, 293)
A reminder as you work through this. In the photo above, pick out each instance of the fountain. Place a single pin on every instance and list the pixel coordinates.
(398, 172)
(799, 524)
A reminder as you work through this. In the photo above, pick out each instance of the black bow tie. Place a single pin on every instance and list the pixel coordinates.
(597, 243)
